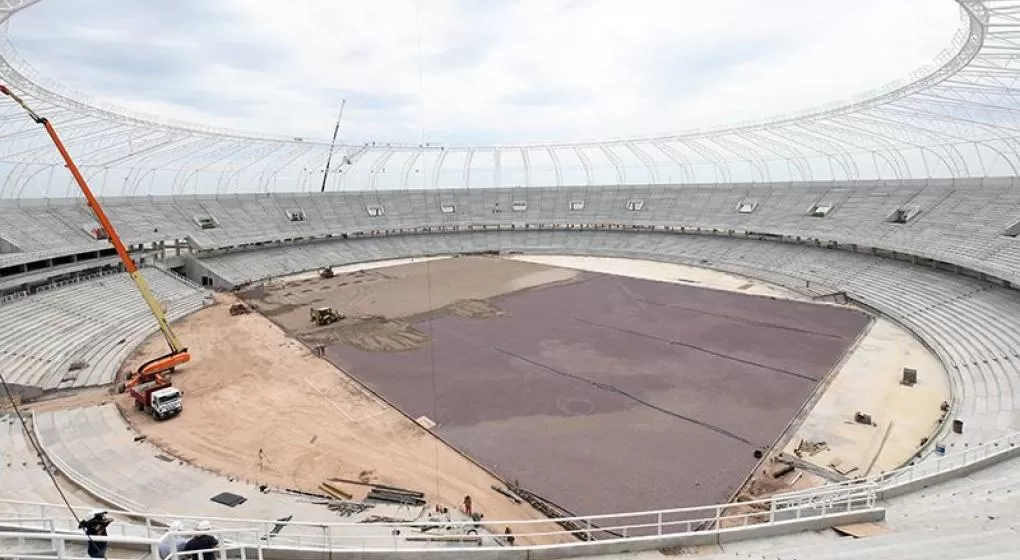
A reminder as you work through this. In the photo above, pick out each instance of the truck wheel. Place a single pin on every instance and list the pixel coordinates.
(139, 406)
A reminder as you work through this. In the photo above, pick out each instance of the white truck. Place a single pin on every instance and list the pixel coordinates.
(160, 400)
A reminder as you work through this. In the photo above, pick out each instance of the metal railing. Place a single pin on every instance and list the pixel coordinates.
(54, 522)
(252, 537)
(11, 298)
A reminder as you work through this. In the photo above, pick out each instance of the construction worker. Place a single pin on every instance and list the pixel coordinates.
(95, 526)
(467, 505)
(171, 541)
(203, 541)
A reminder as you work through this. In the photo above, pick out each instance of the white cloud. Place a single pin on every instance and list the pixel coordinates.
(498, 72)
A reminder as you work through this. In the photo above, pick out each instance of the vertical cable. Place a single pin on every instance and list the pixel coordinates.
(428, 262)
(39, 452)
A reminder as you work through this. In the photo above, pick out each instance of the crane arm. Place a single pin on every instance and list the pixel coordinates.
(178, 353)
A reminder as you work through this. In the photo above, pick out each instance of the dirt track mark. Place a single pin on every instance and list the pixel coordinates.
(376, 334)
(475, 309)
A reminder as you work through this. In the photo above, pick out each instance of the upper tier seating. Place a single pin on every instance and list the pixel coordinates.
(97, 322)
(962, 221)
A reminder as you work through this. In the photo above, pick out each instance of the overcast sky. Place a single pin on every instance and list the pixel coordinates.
(491, 71)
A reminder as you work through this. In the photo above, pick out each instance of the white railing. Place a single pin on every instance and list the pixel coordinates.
(228, 544)
(253, 537)
(933, 466)
(938, 464)
(259, 534)
(11, 298)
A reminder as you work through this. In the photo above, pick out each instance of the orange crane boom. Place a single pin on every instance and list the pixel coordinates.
(178, 353)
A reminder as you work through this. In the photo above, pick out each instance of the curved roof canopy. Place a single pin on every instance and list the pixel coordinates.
(957, 118)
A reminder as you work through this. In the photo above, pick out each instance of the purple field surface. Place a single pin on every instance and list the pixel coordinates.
(616, 394)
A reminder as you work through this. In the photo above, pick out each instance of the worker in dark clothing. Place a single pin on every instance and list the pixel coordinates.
(203, 541)
(95, 526)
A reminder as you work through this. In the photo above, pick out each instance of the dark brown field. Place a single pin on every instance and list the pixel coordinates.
(612, 394)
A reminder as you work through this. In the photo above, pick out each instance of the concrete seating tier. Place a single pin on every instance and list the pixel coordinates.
(959, 221)
(973, 516)
(97, 322)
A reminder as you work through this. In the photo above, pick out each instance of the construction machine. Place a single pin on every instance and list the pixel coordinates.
(158, 398)
(326, 272)
(326, 315)
(154, 369)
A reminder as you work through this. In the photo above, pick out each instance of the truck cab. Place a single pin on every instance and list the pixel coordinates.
(161, 400)
(166, 403)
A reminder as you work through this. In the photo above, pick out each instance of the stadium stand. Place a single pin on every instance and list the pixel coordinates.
(936, 250)
(939, 522)
(43, 334)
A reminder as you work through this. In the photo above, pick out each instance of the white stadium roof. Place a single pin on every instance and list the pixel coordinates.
(956, 118)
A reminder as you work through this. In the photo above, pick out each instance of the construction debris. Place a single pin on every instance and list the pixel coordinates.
(425, 422)
(381, 519)
(548, 509)
(335, 491)
(388, 496)
(840, 467)
(809, 448)
(863, 418)
(240, 308)
(782, 470)
(385, 487)
(75, 366)
(507, 493)
(861, 530)
(347, 508)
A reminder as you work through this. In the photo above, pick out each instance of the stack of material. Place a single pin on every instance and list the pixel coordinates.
(377, 492)
(334, 491)
(393, 495)
(510, 495)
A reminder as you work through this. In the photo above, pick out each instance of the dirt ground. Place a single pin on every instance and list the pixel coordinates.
(250, 387)
(381, 304)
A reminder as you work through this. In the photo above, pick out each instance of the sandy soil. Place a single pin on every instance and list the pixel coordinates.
(397, 292)
(664, 272)
(869, 381)
(250, 387)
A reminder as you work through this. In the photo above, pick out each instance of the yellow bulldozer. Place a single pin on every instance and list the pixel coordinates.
(326, 315)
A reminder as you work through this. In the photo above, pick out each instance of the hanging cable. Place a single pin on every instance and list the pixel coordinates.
(428, 252)
(39, 452)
